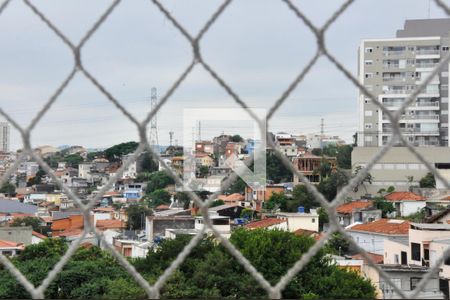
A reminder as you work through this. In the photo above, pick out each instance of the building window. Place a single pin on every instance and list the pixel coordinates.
(444, 48)
(396, 259)
(368, 62)
(313, 220)
(415, 251)
(368, 125)
(369, 50)
(369, 75)
(368, 113)
(414, 282)
(368, 138)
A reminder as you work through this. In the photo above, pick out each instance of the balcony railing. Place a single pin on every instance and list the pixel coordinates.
(391, 66)
(414, 131)
(426, 65)
(427, 51)
(386, 79)
(418, 104)
(398, 92)
(393, 53)
(415, 117)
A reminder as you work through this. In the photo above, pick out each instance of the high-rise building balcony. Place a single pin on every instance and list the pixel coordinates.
(428, 51)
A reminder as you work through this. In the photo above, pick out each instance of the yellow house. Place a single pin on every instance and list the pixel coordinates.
(204, 159)
(56, 198)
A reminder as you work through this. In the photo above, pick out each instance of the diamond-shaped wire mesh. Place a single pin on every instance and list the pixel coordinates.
(197, 60)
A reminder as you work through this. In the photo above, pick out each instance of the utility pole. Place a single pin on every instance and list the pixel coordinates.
(154, 143)
(321, 132)
(171, 137)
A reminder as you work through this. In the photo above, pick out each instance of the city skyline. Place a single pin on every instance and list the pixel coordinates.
(129, 59)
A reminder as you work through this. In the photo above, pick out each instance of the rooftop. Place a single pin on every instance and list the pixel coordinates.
(265, 223)
(348, 208)
(404, 196)
(377, 258)
(384, 226)
(9, 244)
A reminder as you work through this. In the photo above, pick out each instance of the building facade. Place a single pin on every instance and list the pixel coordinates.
(4, 136)
(392, 69)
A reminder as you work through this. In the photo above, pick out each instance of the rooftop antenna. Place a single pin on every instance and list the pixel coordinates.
(153, 122)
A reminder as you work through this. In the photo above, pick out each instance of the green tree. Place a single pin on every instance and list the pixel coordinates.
(276, 201)
(338, 244)
(159, 197)
(248, 213)
(428, 181)
(344, 157)
(37, 179)
(73, 160)
(183, 197)
(329, 185)
(367, 179)
(148, 164)
(8, 189)
(301, 197)
(203, 171)
(386, 207)
(158, 180)
(136, 216)
(276, 170)
(237, 138)
(323, 217)
(238, 186)
(115, 153)
(217, 203)
(35, 223)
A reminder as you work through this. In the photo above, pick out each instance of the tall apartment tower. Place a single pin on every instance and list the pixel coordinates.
(392, 69)
(4, 137)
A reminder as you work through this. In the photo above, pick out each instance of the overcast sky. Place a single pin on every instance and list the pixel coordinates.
(257, 46)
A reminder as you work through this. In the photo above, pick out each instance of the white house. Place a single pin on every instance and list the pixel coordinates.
(406, 203)
(301, 220)
(8, 248)
(371, 236)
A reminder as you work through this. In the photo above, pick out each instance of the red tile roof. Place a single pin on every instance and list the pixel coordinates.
(377, 258)
(37, 234)
(70, 232)
(398, 196)
(348, 208)
(265, 223)
(9, 244)
(384, 226)
(105, 209)
(110, 224)
(232, 197)
(162, 207)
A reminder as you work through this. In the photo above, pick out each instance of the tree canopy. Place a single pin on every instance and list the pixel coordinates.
(209, 271)
(428, 181)
(158, 180)
(275, 169)
(115, 152)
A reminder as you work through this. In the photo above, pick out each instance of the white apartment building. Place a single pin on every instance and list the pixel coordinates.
(4, 136)
(392, 69)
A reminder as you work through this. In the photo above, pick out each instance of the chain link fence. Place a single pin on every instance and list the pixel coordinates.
(198, 61)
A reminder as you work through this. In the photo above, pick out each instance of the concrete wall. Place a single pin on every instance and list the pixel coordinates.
(394, 167)
(16, 234)
(393, 249)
